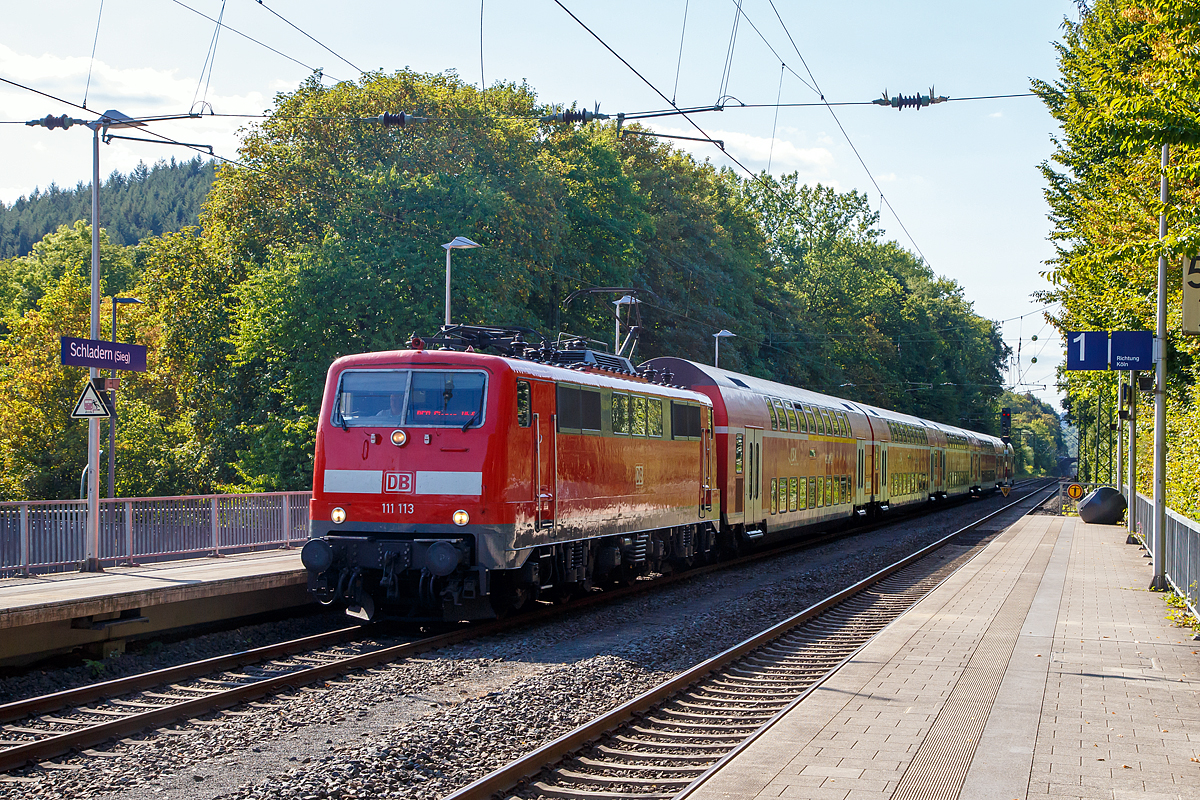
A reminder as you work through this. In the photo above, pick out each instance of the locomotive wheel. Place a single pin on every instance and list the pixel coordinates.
(508, 596)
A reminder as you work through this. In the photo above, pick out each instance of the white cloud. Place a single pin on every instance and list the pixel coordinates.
(996, 115)
(137, 92)
(813, 163)
(887, 177)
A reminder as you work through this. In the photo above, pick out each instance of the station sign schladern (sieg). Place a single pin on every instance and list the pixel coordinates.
(103, 355)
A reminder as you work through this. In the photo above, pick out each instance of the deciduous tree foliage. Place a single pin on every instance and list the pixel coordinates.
(325, 240)
(1129, 84)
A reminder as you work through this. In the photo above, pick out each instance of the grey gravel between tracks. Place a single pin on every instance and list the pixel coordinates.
(422, 727)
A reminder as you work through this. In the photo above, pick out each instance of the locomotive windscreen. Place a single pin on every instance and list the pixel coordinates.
(445, 398)
(409, 397)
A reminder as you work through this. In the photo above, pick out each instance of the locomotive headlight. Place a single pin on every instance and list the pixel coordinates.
(338, 515)
(399, 437)
(461, 518)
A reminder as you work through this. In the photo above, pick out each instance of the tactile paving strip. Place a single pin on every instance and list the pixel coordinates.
(940, 765)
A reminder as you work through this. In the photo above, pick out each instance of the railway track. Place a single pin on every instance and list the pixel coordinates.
(661, 745)
(44, 727)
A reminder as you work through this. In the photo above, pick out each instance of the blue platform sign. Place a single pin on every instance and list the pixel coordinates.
(1087, 350)
(1132, 350)
(103, 355)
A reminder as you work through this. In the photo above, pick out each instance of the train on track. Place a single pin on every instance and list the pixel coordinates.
(472, 474)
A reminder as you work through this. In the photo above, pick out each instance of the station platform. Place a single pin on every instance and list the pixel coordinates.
(1042, 668)
(47, 614)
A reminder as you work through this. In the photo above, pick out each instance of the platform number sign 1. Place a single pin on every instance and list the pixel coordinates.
(1087, 350)
(1191, 295)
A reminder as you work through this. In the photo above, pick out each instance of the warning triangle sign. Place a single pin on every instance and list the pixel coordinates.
(1004, 490)
(90, 404)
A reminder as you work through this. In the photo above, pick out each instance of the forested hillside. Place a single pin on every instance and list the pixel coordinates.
(148, 202)
(1130, 83)
(327, 242)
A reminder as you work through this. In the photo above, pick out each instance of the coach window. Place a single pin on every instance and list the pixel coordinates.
(828, 422)
(794, 494)
(620, 413)
(793, 426)
(524, 404)
(803, 498)
(738, 459)
(812, 422)
(654, 416)
(771, 408)
(638, 416)
(774, 495)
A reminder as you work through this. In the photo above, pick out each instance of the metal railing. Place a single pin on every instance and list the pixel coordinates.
(1182, 566)
(48, 535)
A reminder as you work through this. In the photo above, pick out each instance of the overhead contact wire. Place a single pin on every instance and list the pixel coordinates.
(252, 39)
(305, 33)
(849, 140)
(92, 63)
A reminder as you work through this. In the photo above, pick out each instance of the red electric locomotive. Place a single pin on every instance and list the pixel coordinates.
(451, 484)
(455, 485)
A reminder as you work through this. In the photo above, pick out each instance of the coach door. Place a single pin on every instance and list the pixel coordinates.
(753, 472)
(860, 471)
(545, 418)
(884, 490)
(706, 477)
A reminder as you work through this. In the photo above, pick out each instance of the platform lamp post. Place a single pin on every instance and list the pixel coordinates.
(459, 243)
(717, 337)
(112, 404)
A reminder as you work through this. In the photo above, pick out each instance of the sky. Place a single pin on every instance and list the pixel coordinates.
(961, 179)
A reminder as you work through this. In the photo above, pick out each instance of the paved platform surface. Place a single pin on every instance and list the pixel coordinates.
(45, 614)
(1043, 668)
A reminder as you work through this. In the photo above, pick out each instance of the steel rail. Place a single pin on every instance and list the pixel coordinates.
(527, 767)
(56, 744)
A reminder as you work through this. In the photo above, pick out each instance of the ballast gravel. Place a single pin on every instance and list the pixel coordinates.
(422, 727)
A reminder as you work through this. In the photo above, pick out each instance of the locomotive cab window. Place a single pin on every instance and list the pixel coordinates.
(374, 397)
(524, 404)
(387, 398)
(445, 398)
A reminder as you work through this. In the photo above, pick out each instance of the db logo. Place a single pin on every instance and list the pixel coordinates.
(401, 482)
